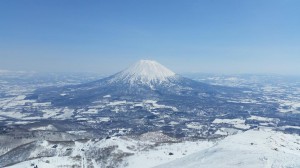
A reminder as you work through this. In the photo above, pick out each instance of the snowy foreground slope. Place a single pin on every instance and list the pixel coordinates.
(251, 149)
(262, 148)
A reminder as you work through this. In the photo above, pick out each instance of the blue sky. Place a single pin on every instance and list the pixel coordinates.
(211, 36)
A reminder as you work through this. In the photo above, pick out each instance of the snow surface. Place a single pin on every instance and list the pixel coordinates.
(289, 106)
(44, 128)
(262, 148)
(146, 154)
(161, 154)
(237, 123)
(194, 125)
(145, 72)
(258, 118)
(107, 96)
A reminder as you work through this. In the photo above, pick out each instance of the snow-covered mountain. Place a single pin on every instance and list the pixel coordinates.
(146, 72)
(144, 80)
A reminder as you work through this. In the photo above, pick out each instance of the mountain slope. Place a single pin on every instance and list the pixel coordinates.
(251, 149)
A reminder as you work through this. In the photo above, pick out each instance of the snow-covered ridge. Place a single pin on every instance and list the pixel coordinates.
(145, 72)
(262, 148)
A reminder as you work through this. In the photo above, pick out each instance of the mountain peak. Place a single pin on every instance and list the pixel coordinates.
(146, 72)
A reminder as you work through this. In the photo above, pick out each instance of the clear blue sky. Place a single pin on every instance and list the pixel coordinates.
(218, 36)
